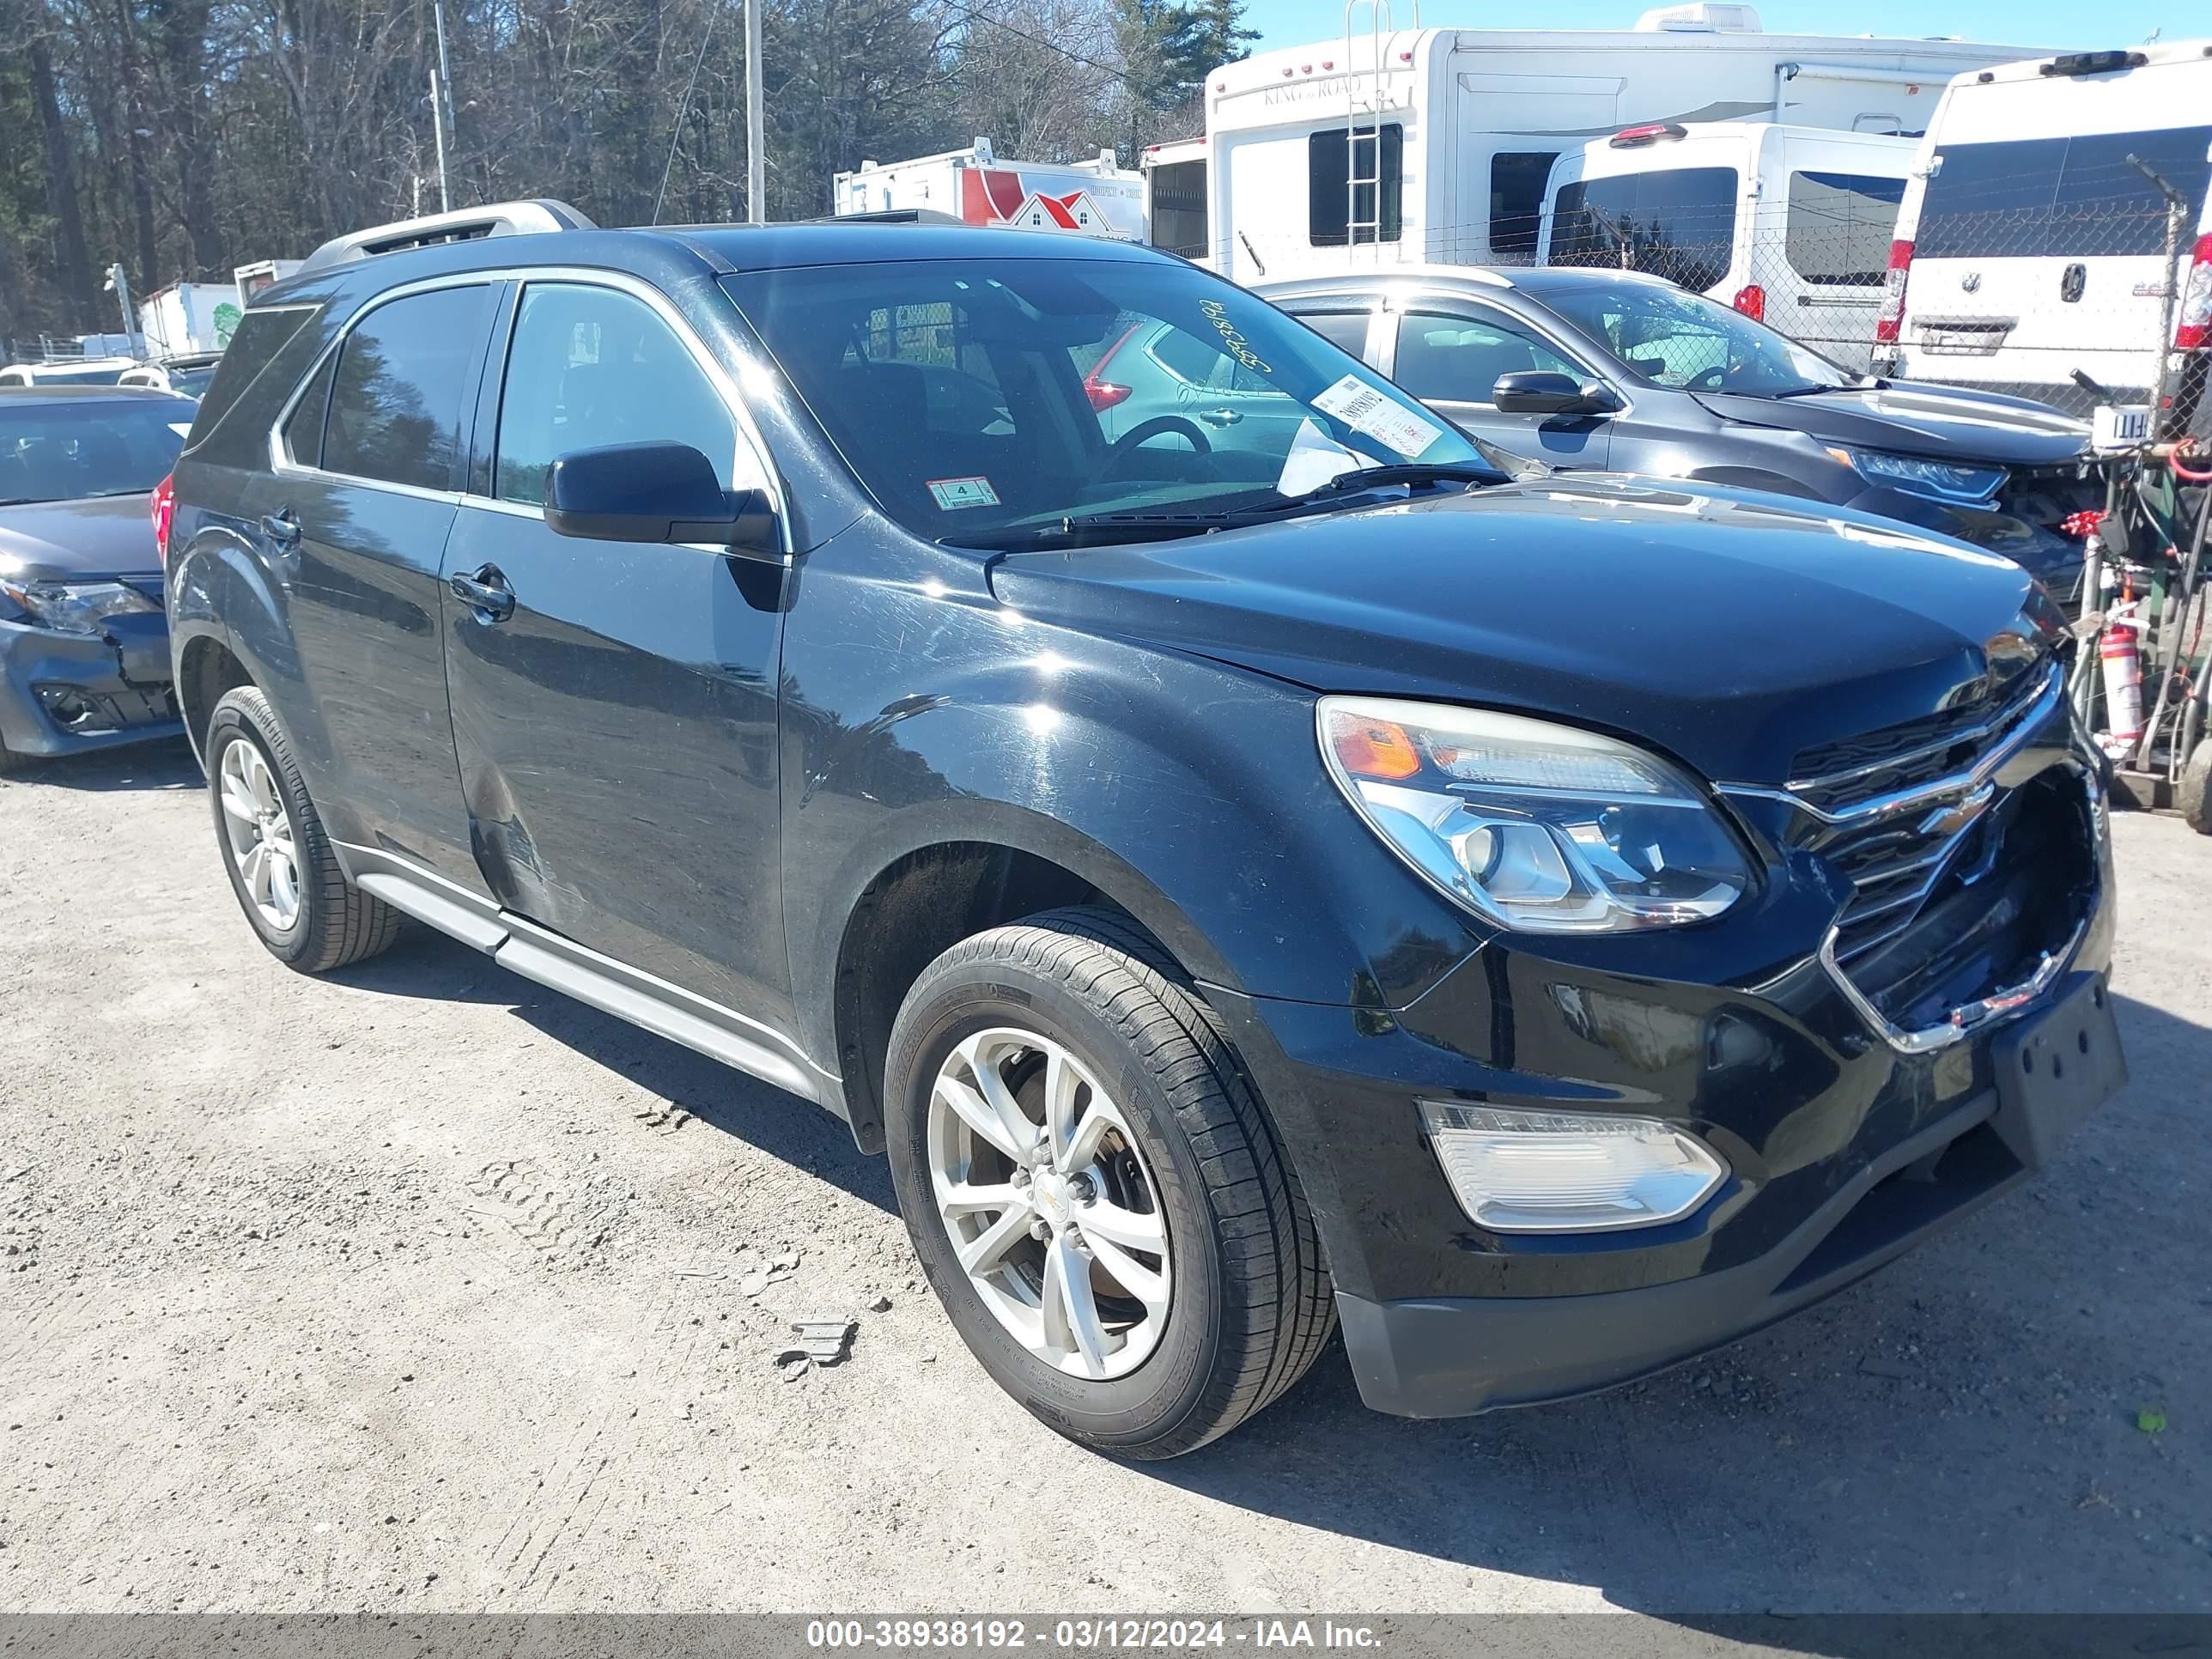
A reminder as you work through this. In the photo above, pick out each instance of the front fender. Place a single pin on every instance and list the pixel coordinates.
(920, 712)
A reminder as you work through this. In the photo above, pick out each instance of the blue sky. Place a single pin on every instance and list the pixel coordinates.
(2023, 22)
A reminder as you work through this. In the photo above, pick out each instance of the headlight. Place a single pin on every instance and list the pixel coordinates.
(1968, 485)
(1541, 1172)
(75, 607)
(1543, 829)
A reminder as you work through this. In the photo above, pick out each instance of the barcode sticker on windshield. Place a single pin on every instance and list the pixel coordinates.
(951, 493)
(1363, 408)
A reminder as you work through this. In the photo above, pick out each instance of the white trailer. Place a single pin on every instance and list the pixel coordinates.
(978, 187)
(1435, 144)
(1174, 197)
(188, 317)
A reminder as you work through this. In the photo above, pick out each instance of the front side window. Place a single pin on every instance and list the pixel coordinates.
(1666, 338)
(1839, 225)
(594, 366)
(1457, 359)
(2059, 197)
(976, 397)
(1517, 179)
(402, 375)
(1355, 185)
(63, 451)
(1679, 224)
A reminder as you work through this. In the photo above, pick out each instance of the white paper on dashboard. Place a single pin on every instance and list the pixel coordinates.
(1363, 408)
(1314, 459)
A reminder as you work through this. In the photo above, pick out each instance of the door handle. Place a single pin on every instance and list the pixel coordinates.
(1220, 417)
(281, 527)
(486, 591)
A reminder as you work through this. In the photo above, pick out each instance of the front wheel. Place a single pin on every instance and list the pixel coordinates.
(1093, 1189)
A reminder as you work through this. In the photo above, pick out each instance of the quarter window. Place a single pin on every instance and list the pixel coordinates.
(402, 376)
(1447, 359)
(303, 432)
(593, 365)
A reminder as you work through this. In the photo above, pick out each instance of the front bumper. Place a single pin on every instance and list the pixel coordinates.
(1846, 1143)
(65, 693)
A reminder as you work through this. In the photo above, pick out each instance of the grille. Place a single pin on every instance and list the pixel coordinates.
(1898, 860)
(1841, 775)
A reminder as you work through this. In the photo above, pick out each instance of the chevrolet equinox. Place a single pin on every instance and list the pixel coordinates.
(1545, 928)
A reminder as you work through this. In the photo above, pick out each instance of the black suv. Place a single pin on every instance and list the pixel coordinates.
(1218, 876)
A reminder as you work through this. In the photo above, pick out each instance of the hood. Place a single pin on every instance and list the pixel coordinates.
(1908, 418)
(74, 541)
(1728, 629)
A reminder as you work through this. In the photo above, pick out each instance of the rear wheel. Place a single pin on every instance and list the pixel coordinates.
(274, 848)
(1093, 1188)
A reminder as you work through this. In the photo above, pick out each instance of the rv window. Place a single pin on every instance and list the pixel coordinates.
(1331, 155)
(1839, 227)
(1679, 224)
(1517, 179)
(2069, 197)
(1178, 208)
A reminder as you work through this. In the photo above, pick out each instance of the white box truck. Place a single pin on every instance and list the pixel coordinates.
(978, 187)
(187, 318)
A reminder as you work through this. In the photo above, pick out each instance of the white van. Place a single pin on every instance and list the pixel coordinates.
(1790, 225)
(2030, 248)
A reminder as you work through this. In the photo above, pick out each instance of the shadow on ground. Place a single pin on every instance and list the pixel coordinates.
(165, 765)
(1945, 1437)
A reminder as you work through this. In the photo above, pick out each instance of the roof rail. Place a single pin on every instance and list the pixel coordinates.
(461, 225)
(890, 216)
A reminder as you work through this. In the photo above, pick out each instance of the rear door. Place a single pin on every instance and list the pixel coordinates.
(2040, 246)
(1827, 212)
(362, 494)
(616, 719)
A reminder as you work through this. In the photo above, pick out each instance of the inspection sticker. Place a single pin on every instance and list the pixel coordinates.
(952, 494)
(1363, 408)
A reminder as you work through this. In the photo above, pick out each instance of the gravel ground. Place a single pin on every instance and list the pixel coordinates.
(420, 1288)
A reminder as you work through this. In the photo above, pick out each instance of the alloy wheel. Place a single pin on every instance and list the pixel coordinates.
(1050, 1206)
(259, 831)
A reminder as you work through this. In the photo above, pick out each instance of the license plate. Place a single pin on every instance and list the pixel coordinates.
(2056, 1067)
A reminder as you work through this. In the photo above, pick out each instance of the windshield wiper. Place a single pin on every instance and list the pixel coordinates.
(1412, 474)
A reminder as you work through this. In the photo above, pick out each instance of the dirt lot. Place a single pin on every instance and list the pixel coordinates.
(421, 1288)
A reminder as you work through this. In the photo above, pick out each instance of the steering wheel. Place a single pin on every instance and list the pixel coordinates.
(1711, 380)
(1144, 431)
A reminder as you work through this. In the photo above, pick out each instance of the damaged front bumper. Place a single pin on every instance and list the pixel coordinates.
(63, 693)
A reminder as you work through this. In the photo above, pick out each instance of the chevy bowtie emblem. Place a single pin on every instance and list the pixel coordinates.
(1949, 820)
(1972, 282)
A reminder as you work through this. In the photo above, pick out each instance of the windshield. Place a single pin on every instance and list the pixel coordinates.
(62, 452)
(976, 396)
(191, 382)
(1666, 338)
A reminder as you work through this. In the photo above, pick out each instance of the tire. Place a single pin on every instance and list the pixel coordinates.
(2193, 794)
(12, 762)
(1246, 1308)
(332, 923)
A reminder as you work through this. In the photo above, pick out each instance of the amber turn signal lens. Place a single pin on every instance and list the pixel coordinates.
(1368, 747)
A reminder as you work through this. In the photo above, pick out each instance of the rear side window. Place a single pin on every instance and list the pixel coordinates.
(303, 429)
(261, 335)
(1334, 202)
(2059, 197)
(1838, 229)
(594, 366)
(1447, 359)
(1679, 224)
(402, 375)
(1345, 330)
(1517, 179)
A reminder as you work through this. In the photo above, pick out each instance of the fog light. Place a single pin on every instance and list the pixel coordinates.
(1553, 1172)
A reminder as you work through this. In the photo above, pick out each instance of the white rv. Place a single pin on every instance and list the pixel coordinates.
(1790, 225)
(2032, 247)
(978, 187)
(1436, 144)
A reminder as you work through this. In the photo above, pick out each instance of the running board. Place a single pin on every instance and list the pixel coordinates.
(560, 964)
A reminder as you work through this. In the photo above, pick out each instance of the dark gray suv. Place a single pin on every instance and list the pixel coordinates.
(1616, 371)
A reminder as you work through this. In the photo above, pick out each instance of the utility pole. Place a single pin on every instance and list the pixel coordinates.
(438, 131)
(120, 286)
(445, 69)
(755, 143)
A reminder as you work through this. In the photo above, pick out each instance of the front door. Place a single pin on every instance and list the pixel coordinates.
(615, 709)
(1449, 356)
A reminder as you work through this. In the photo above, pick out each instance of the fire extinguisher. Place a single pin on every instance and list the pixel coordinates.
(2123, 666)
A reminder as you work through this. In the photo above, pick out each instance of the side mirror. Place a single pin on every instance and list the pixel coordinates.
(654, 492)
(1546, 392)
